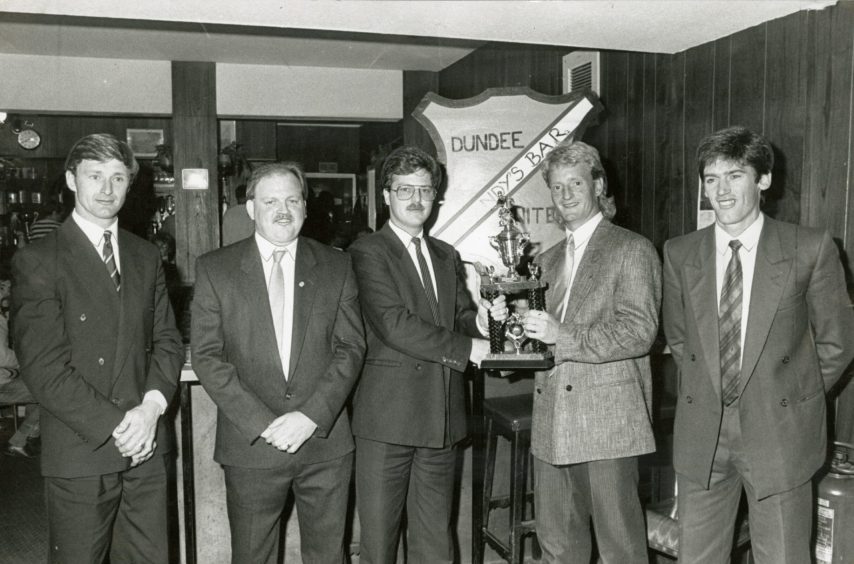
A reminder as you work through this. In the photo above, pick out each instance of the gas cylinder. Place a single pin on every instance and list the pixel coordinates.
(835, 509)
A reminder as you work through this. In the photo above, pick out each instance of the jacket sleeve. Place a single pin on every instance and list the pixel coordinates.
(167, 350)
(399, 328)
(631, 330)
(333, 386)
(830, 313)
(44, 352)
(218, 376)
(673, 308)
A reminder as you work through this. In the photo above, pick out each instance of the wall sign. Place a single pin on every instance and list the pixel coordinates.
(495, 143)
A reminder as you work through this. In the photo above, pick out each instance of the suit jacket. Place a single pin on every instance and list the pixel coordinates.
(595, 403)
(412, 385)
(798, 342)
(87, 352)
(236, 358)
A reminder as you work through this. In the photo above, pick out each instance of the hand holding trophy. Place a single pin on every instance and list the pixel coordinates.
(510, 244)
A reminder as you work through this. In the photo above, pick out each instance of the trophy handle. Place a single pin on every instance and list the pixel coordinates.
(494, 244)
(496, 337)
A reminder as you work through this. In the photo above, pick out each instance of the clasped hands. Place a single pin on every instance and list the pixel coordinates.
(289, 431)
(134, 436)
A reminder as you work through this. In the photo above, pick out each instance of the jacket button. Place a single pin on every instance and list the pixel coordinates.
(689, 399)
(539, 390)
(101, 361)
(82, 317)
(786, 359)
(288, 396)
(115, 401)
(568, 388)
(418, 367)
(693, 358)
(784, 402)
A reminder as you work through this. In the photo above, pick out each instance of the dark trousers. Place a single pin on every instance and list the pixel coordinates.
(780, 524)
(123, 514)
(256, 498)
(568, 497)
(392, 477)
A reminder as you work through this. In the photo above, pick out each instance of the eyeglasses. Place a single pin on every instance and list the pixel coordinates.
(406, 191)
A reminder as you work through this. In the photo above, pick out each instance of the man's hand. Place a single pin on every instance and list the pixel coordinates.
(498, 309)
(479, 350)
(135, 434)
(289, 432)
(542, 326)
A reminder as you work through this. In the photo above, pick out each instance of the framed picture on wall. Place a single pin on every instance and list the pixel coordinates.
(144, 142)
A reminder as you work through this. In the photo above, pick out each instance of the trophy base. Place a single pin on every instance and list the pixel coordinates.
(512, 361)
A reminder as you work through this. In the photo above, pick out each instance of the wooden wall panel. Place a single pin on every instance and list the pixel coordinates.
(699, 122)
(633, 200)
(616, 122)
(721, 70)
(747, 78)
(649, 209)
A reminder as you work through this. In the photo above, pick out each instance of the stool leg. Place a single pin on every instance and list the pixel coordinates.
(517, 493)
(491, 443)
(536, 551)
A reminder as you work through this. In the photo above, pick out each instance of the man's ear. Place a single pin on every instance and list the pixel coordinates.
(386, 197)
(70, 181)
(599, 187)
(250, 208)
(764, 181)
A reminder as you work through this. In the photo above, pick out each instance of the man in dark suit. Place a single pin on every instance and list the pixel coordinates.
(759, 323)
(409, 409)
(278, 343)
(98, 349)
(592, 410)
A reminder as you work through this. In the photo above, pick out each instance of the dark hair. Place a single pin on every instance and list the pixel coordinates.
(408, 160)
(576, 153)
(737, 144)
(283, 168)
(170, 243)
(101, 147)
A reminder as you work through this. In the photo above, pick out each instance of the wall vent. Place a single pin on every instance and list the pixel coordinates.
(581, 71)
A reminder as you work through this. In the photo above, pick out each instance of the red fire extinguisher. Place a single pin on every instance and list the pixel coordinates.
(835, 504)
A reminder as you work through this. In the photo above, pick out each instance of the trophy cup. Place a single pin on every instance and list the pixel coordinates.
(510, 243)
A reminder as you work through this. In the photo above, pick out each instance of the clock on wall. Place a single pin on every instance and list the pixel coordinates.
(29, 139)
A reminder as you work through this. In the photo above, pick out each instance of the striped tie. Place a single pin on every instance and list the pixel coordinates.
(729, 323)
(426, 281)
(110, 261)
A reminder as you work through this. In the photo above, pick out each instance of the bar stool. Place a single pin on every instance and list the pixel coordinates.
(509, 417)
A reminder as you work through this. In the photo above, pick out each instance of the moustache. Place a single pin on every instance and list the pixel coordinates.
(415, 207)
(283, 217)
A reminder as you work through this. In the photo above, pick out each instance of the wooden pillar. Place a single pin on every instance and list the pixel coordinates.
(194, 130)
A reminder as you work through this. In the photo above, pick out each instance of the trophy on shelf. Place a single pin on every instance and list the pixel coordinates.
(526, 352)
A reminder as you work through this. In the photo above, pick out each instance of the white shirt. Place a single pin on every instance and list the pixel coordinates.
(266, 248)
(406, 239)
(95, 234)
(749, 240)
(580, 237)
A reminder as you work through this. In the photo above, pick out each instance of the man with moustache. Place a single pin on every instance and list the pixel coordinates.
(760, 324)
(98, 348)
(409, 410)
(591, 411)
(278, 343)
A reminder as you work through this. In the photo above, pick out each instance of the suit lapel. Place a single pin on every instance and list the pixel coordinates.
(769, 276)
(446, 274)
(551, 263)
(253, 288)
(305, 289)
(588, 269)
(702, 294)
(413, 281)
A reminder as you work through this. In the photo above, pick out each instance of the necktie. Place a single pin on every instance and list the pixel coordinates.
(426, 281)
(729, 322)
(276, 292)
(110, 261)
(560, 293)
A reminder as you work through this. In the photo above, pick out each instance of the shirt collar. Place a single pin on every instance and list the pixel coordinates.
(266, 248)
(581, 235)
(94, 232)
(749, 238)
(404, 237)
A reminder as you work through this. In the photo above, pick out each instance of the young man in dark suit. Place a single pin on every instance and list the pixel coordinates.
(98, 349)
(760, 324)
(409, 409)
(278, 343)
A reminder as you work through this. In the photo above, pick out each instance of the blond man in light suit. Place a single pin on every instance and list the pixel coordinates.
(592, 411)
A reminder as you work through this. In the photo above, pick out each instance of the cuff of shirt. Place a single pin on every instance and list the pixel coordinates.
(484, 331)
(156, 397)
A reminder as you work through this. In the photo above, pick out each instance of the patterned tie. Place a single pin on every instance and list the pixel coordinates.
(110, 261)
(729, 323)
(426, 281)
(561, 285)
(276, 292)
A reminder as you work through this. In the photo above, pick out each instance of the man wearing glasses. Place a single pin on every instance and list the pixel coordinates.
(409, 410)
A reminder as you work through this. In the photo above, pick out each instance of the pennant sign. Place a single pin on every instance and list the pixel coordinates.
(493, 144)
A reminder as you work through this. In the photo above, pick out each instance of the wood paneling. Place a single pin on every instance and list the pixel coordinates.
(196, 132)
